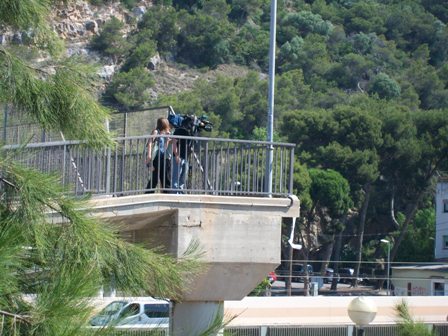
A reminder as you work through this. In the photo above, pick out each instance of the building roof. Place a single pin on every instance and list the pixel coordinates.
(439, 268)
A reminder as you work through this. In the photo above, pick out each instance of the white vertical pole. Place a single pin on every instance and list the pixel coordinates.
(388, 269)
(270, 124)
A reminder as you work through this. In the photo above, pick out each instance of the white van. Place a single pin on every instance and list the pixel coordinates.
(134, 313)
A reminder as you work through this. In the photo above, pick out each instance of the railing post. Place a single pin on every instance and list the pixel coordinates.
(108, 168)
(205, 182)
(64, 158)
(123, 157)
(291, 171)
(263, 331)
(5, 123)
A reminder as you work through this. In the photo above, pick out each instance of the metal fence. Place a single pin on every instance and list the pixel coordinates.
(131, 332)
(216, 166)
(17, 128)
(340, 330)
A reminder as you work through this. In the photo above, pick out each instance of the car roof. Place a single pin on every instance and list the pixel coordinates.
(142, 300)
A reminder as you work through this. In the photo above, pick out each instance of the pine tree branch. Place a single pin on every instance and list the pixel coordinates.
(23, 318)
(8, 183)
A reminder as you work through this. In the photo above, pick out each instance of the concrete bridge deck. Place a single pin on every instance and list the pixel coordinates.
(226, 206)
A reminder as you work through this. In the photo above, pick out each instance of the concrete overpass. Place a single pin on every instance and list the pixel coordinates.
(224, 207)
(240, 238)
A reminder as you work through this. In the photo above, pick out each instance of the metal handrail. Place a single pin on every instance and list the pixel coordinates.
(216, 166)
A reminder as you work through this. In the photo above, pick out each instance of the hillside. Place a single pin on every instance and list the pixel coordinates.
(78, 22)
(361, 88)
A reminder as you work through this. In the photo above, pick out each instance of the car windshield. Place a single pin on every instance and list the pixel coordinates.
(113, 308)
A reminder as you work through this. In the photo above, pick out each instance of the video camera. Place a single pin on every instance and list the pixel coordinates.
(202, 123)
(191, 123)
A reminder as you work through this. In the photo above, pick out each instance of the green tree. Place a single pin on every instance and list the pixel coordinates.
(302, 23)
(110, 41)
(204, 40)
(352, 69)
(430, 89)
(253, 102)
(291, 93)
(140, 56)
(366, 17)
(418, 243)
(64, 264)
(241, 10)
(345, 139)
(220, 98)
(161, 25)
(329, 195)
(291, 54)
(413, 154)
(384, 86)
(250, 47)
(130, 89)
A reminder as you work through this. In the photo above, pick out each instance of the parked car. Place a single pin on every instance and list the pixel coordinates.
(298, 272)
(272, 277)
(347, 275)
(329, 274)
(134, 313)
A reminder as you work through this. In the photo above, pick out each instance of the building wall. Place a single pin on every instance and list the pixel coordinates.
(441, 239)
(419, 282)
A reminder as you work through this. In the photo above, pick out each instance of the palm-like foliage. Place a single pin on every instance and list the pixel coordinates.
(407, 325)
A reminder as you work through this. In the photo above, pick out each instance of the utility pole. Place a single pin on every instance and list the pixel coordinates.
(270, 125)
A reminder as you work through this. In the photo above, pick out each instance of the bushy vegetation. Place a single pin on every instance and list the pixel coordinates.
(361, 87)
(393, 50)
(61, 264)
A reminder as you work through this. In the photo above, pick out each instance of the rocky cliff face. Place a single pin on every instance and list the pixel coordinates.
(78, 21)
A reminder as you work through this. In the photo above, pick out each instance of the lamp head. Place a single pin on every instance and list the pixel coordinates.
(362, 311)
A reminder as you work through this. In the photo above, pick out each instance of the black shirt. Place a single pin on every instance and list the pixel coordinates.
(183, 145)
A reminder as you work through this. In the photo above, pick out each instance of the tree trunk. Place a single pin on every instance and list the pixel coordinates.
(409, 216)
(404, 228)
(328, 251)
(362, 222)
(337, 258)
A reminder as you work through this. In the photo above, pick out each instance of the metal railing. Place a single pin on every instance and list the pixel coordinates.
(295, 330)
(216, 166)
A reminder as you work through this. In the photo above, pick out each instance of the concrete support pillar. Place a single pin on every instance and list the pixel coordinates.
(196, 318)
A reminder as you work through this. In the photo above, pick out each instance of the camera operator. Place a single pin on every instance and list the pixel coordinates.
(190, 126)
(180, 163)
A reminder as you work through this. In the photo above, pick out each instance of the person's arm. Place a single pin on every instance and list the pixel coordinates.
(176, 150)
(149, 149)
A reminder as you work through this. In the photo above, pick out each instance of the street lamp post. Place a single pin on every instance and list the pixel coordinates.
(385, 241)
(361, 311)
(270, 125)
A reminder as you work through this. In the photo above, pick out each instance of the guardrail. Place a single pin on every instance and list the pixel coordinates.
(216, 166)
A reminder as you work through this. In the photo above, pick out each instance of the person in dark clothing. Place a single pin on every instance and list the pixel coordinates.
(180, 162)
(159, 157)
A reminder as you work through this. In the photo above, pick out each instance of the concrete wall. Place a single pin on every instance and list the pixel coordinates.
(421, 282)
(240, 237)
(327, 310)
(441, 253)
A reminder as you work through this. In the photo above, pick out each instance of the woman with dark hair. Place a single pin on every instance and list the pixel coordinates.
(159, 157)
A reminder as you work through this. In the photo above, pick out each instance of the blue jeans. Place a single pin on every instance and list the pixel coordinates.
(180, 172)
